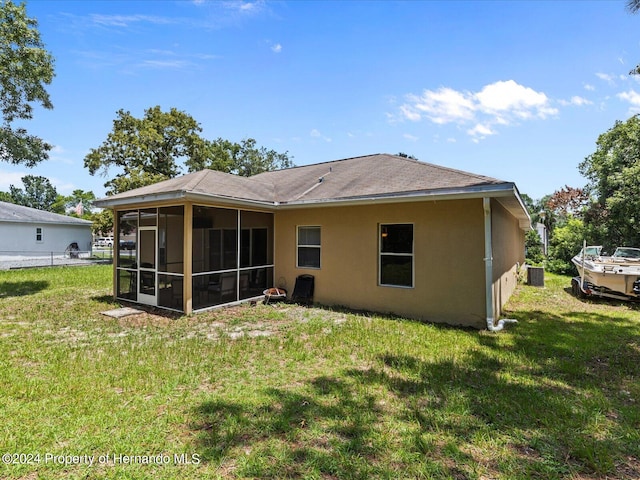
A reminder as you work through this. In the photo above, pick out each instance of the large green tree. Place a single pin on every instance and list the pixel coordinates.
(151, 149)
(244, 158)
(25, 69)
(38, 193)
(614, 174)
(78, 204)
(147, 150)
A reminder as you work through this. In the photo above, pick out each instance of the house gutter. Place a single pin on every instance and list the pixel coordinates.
(502, 190)
(488, 271)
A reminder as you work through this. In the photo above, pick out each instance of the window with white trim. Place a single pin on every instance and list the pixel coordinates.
(308, 247)
(39, 235)
(396, 255)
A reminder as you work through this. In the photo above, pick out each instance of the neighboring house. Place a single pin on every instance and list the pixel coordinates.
(28, 231)
(380, 232)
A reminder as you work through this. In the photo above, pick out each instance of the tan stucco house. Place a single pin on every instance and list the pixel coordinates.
(380, 232)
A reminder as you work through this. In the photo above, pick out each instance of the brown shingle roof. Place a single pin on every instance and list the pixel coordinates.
(370, 176)
(367, 176)
(206, 182)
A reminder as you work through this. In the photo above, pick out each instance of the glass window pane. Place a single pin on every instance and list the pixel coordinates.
(396, 238)
(308, 235)
(309, 257)
(396, 270)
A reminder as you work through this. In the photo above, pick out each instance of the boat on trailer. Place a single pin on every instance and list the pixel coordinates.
(611, 276)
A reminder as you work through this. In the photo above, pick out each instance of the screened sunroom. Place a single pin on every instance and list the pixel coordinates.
(192, 257)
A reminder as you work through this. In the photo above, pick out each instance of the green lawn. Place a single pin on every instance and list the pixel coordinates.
(284, 391)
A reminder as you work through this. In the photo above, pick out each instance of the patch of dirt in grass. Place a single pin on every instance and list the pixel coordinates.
(67, 335)
(145, 319)
(629, 469)
(29, 476)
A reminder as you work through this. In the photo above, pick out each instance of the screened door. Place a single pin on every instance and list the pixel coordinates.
(147, 267)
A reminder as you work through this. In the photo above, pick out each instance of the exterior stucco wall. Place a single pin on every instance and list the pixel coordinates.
(508, 254)
(21, 237)
(448, 258)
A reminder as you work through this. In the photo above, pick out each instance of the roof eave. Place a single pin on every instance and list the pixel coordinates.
(439, 194)
(180, 196)
(84, 223)
(500, 190)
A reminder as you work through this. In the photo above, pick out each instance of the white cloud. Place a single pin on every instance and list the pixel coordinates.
(408, 136)
(171, 64)
(409, 113)
(62, 187)
(128, 20)
(610, 79)
(576, 101)
(444, 105)
(500, 103)
(10, 178)
(277, 48)
(633, 98)
(316, 134)
(480, 131)
(511, 97)
(589, 87)
(244, 8)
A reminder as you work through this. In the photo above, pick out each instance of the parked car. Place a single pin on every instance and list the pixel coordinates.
(103, 242)
(127, 245)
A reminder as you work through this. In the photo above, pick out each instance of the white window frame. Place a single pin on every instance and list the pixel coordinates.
(392, 254)
(39, 233)
(299, 245)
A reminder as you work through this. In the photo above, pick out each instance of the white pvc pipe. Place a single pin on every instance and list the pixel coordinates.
(488, 270)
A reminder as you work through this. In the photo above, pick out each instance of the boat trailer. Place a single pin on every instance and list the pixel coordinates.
(583, 289)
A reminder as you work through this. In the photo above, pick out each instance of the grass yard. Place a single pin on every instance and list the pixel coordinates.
(282, 391)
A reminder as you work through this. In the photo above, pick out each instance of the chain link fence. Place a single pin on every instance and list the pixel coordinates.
(27, 259)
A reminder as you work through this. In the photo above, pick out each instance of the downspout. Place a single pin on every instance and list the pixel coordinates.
(488, 270)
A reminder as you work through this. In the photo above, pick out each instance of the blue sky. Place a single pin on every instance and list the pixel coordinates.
(516, 90)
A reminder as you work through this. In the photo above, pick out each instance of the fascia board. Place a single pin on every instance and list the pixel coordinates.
(180, 196)
(493, 191)
(502, 190)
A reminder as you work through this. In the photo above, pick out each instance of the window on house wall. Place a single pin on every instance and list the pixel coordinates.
(39, 237)
(396, 255)
(309, 247)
